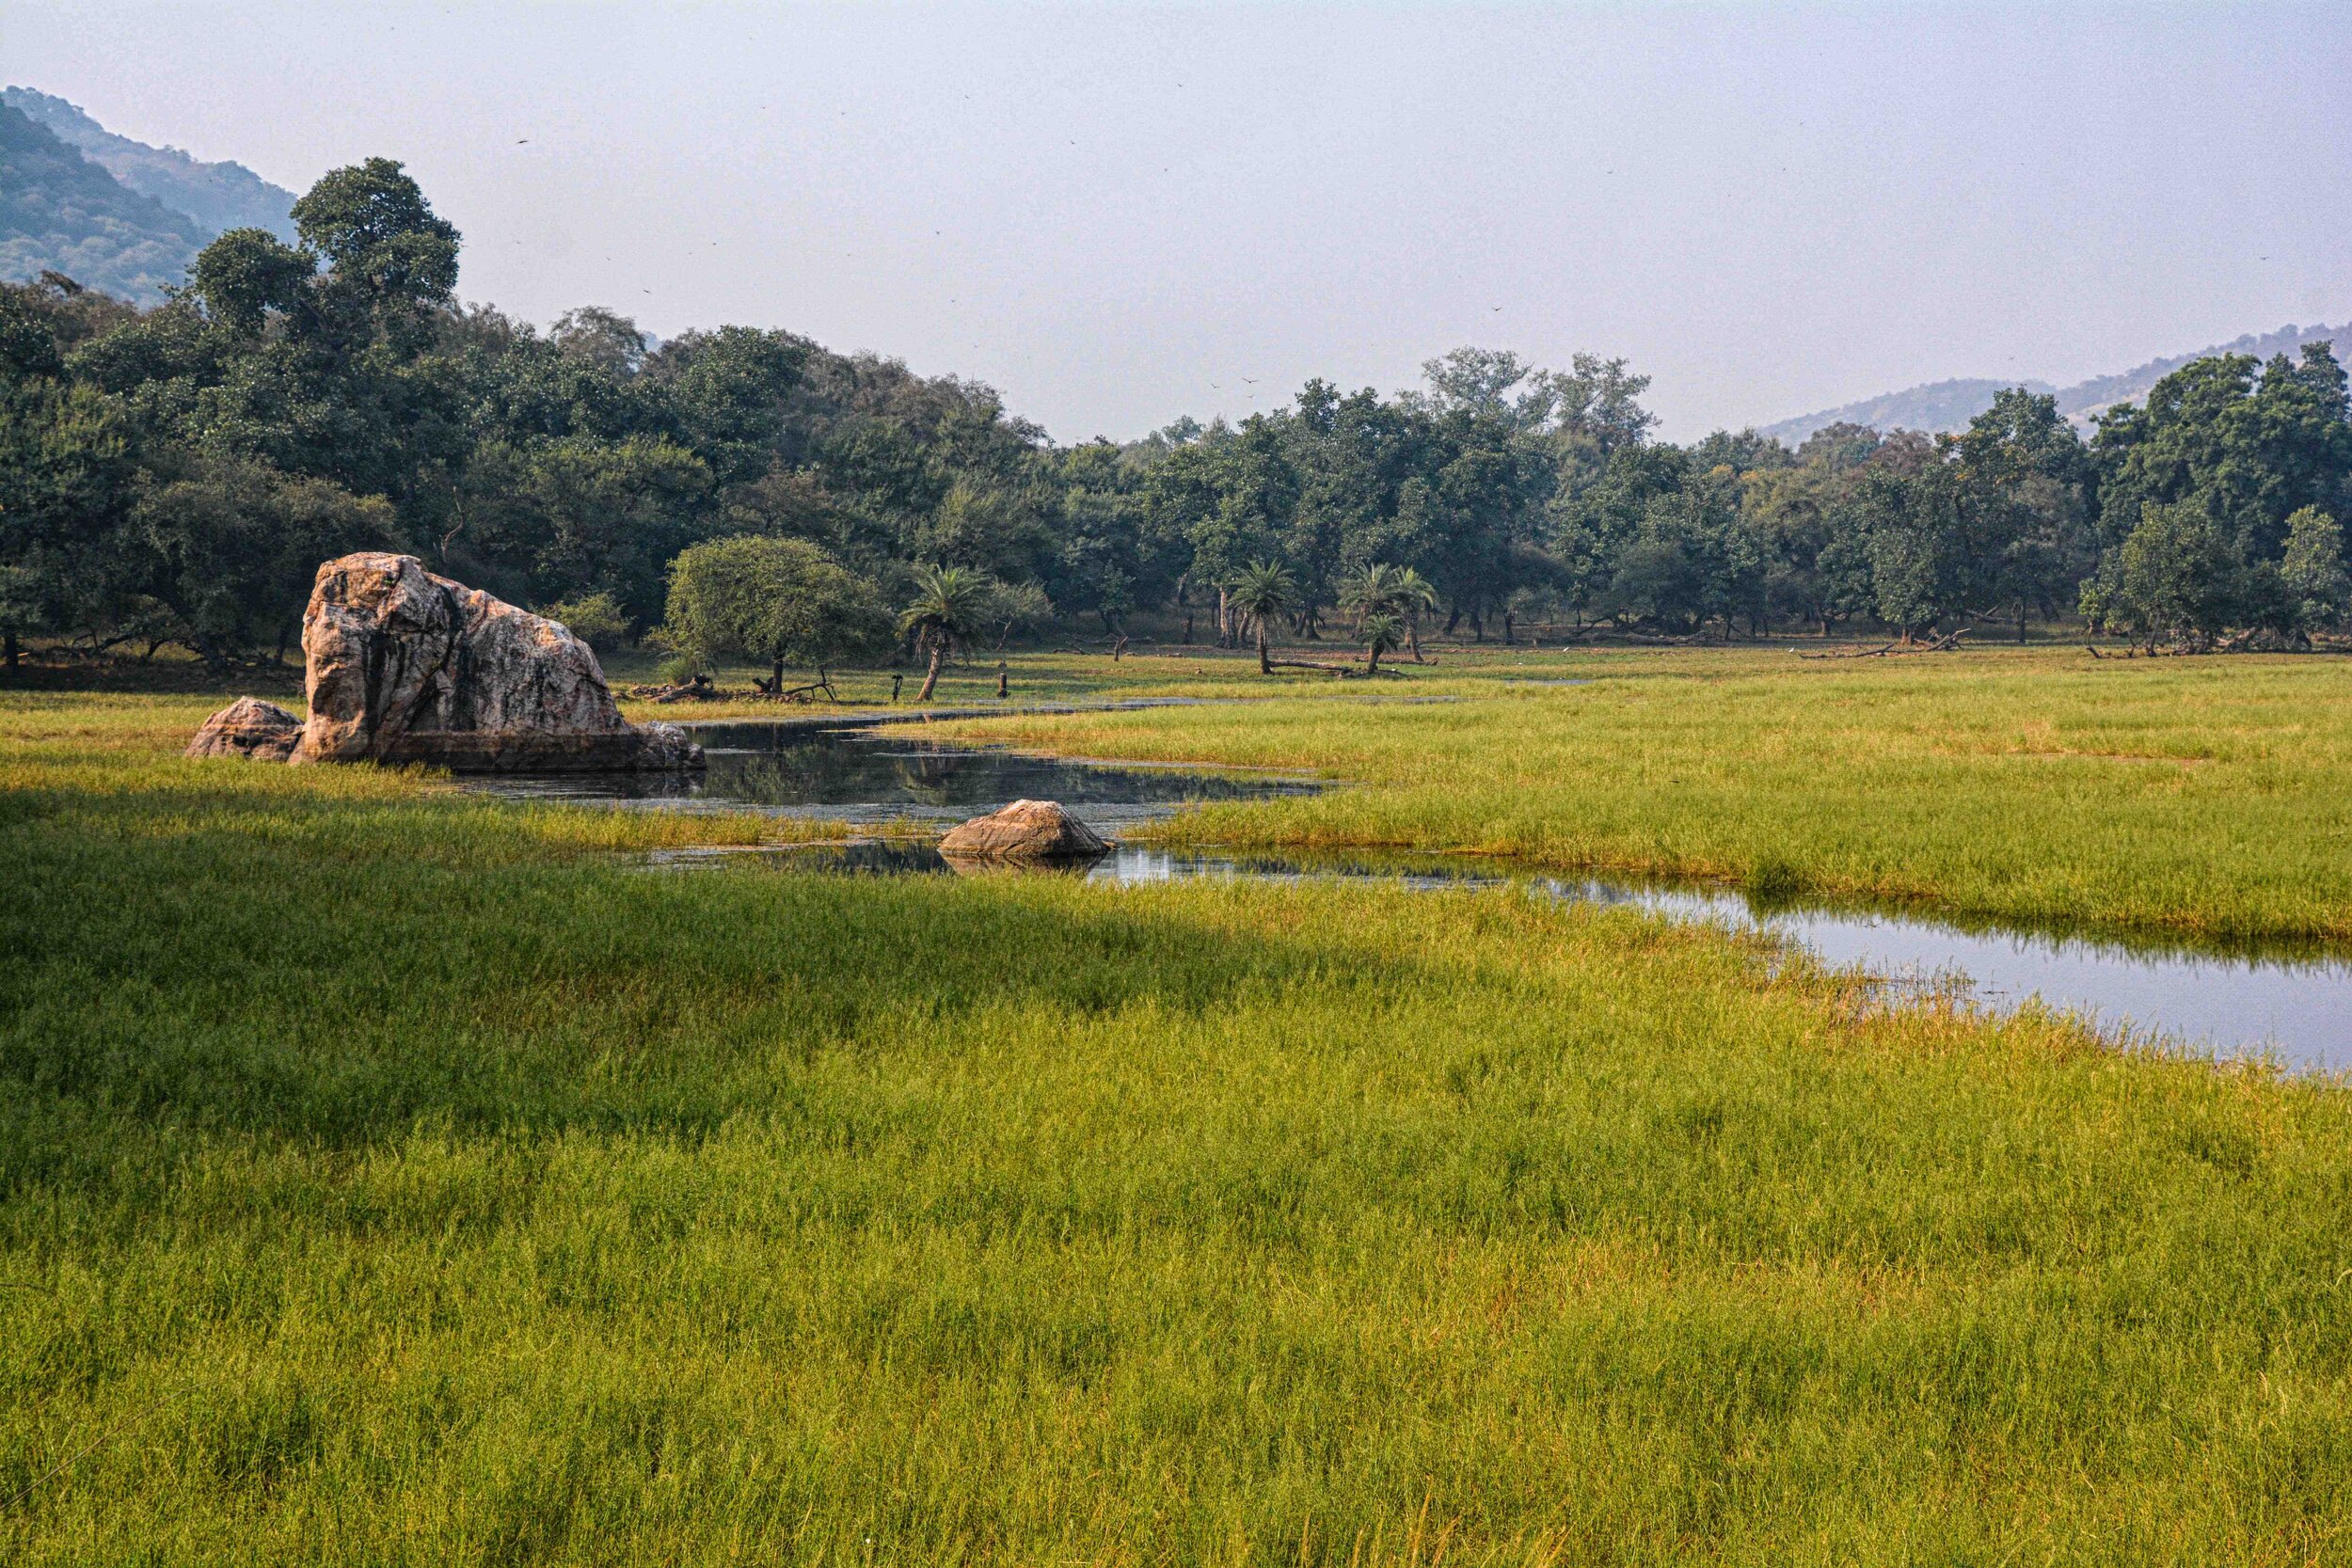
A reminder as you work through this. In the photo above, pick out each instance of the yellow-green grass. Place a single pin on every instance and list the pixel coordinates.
(110, 761)
(2210, 796)
(390, 1177)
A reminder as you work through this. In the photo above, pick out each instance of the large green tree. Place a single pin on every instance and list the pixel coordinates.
(2179, 574)
(2248, 444)
(779, 601)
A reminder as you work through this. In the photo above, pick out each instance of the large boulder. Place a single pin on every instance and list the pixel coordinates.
(1029, 831)
(405, 666)
(248, 727)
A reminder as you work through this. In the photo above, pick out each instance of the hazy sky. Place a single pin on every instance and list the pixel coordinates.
(1117, 214)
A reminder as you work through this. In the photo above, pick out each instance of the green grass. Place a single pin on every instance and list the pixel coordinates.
(399, 1178)
(2199, 796)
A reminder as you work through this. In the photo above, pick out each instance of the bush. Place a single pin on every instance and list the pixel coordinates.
(595, 619)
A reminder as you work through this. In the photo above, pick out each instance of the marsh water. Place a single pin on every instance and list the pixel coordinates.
(2295, 1005)
(877, 776)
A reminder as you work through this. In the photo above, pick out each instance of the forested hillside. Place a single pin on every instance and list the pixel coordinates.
(219, 197)
(174, 475)
(62, 212)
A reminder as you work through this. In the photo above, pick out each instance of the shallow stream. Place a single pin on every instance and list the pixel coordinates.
(2294, 1003)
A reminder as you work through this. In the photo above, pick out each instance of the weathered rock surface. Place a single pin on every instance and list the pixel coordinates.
(406, 666)
(248, 727)
(1024, 830)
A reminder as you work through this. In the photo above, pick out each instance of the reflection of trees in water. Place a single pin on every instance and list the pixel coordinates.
(800, 770)
(930, 781)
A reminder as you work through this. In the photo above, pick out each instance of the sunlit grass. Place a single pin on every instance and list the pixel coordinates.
(2203, 795)
(388, 1175)
(113, 763)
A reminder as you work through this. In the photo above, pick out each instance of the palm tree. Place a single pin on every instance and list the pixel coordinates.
(1381, 589)
(1262, 593)
(949, 603)
(1369, 591)
(1382, 633)
(1412, 595)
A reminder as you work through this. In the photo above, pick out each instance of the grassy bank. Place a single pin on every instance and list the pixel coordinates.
(391, 1178)
(2211, 796)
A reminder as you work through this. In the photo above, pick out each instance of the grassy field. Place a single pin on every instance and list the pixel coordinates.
(2196, 796)
(390, 1176)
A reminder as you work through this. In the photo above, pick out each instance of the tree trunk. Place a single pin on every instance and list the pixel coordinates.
(1372, 666)
(1412, 638)
(777, 676)
(1452, 619)
(1508, 626)
(1224, 621)
(2021, 623)
(1266, 666)
(14, 652)
(1187, 628)
(931, 676)
(1002, 689)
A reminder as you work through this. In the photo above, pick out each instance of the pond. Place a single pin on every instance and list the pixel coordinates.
(872, 776)
(2294, 1003)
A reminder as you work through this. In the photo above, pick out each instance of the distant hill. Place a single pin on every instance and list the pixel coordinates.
(110, 212)
(60, 212)
(1943, 407)
(1938, 406)
(219, 197)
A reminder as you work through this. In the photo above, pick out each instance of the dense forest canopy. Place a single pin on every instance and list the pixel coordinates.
(173, 475)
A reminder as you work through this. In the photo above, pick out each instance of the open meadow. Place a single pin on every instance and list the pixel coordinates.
(2207, 796)
(415, 1176)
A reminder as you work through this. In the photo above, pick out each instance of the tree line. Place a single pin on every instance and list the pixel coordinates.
(173, 476)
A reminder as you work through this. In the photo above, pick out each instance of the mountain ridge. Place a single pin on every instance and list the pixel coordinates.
(1945, 407)
(112, 214)
(218, 195)
(62, 212)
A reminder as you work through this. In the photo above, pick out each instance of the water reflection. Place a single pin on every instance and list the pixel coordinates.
(868, 778)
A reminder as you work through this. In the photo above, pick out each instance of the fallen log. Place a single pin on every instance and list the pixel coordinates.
(692, 691)
(1897, 649)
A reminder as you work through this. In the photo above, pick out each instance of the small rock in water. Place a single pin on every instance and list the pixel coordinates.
(1024, 830)
(667, 746)
(248, 727)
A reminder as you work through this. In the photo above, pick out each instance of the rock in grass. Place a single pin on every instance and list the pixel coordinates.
(248, 727)
(1029, 831)
(406, 666)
